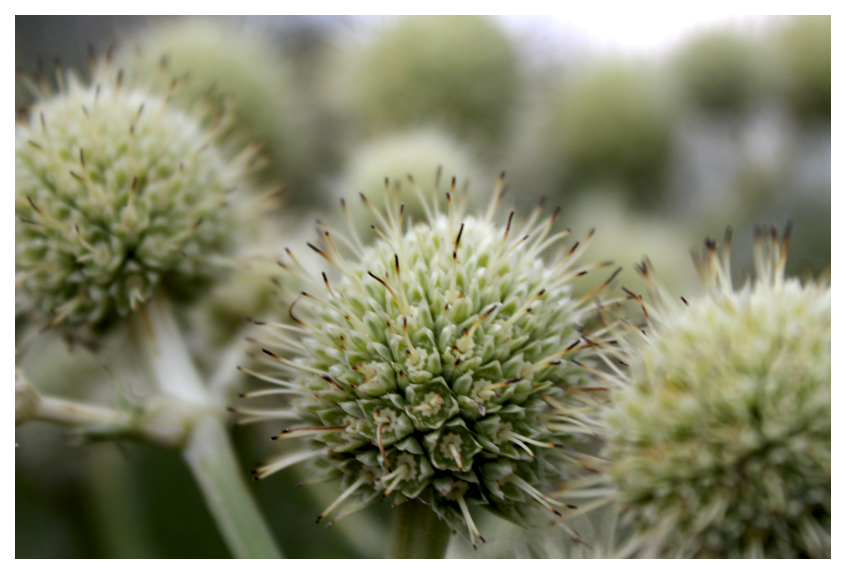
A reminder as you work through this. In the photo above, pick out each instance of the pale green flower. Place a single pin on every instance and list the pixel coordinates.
(719, 437)
(613, 127)
(116, 195)
(459, 72)
(719, 72)
(803, 51)
(443, 365)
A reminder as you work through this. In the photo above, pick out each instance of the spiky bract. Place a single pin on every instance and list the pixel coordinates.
(720, 439)
(443, 366)
(116, 194)
(458, 71)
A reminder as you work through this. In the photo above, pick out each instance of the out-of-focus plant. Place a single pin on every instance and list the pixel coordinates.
(458, 72)
(803, 51)
(719, 433)
(718, 72)
(611, 127)
(239, 68)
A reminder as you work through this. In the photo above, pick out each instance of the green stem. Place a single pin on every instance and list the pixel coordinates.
(61, 411)
(417, 532)
(211, 459)
(208, 450)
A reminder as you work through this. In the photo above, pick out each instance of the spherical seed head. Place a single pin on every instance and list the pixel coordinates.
(718, 72)
(116, 195)
(720, 440)
(612, 127)
(460, 71)
(438, 366)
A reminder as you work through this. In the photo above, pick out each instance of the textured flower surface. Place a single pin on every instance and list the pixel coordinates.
(116, 194)
(720, 437)
(445, 365)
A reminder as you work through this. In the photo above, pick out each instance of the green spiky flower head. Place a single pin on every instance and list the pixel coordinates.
(442, 365)
(117, 194)
(426, 152)
(460, 72)
(720, 438)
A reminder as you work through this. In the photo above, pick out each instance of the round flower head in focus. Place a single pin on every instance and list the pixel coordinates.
(445, 364)
(116, 195)
(719, 438)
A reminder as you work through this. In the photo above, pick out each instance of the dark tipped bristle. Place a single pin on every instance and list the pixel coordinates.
(231, 409)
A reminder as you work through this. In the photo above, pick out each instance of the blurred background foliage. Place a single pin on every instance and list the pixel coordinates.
(730, 125)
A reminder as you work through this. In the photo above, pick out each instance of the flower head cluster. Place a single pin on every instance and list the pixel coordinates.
(445, 365)
(720, 437)
(116, 194)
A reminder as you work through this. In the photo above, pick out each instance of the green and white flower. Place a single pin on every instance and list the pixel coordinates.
(117, 194)
(719, 437)
(445, 364)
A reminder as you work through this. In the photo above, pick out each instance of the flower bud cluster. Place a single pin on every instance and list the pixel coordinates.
(117, 193)
(445, 365)
(720, 437)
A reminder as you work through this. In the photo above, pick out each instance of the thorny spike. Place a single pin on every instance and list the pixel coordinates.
(398, 301)
(602, 287)
(499, 192)
(340, 499)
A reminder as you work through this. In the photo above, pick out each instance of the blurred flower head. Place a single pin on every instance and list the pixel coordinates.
(611, 127)
(459, 72)
(719, 438)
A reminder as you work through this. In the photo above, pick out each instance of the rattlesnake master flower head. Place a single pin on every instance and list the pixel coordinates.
(460, 72)
(444, 365)
(720, 437)
(117, 194)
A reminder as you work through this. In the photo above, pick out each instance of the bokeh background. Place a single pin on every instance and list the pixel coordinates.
(655, 135)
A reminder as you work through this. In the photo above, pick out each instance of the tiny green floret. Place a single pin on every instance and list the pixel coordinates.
(116, 195)
(444, 364)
